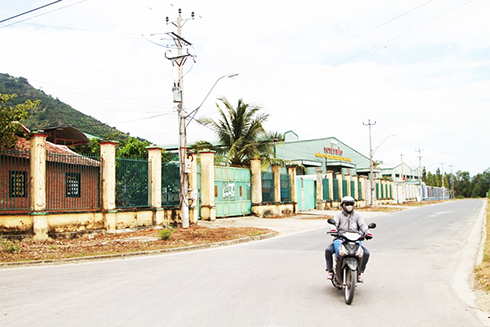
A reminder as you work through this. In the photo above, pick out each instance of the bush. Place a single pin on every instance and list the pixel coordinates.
(165, 234)
(11, 246)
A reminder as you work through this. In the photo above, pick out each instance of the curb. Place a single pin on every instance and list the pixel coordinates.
(134, 254)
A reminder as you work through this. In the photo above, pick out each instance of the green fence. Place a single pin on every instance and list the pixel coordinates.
(336, 194)
(72, 182)
(326, 190)
(170, 184)
(267, 187)
(285, 188)
(14, 176)
(131, 183)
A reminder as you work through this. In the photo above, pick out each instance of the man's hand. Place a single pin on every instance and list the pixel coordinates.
(369, 236)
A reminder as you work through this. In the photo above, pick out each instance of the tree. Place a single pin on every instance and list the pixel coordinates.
(240, 133)
(10, 119)
(131, 148)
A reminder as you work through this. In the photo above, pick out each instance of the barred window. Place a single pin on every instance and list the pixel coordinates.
(18, 184)
(73, 185)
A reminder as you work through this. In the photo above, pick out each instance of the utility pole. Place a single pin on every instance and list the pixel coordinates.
(452, 182)
(420, 173)
(178, 88)
(371, 177)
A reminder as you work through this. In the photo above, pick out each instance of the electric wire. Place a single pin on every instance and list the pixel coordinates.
(29, 18)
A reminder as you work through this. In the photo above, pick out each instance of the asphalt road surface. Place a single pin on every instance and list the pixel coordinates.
(275, 282)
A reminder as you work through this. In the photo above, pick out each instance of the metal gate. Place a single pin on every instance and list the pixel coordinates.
(306, 193)
(232, 191)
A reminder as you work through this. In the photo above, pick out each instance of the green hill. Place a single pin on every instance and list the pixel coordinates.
(52, 112)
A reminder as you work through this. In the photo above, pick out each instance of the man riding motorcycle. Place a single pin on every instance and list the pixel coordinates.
(347, 219)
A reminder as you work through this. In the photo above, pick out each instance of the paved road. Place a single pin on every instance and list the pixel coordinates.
(275, 282)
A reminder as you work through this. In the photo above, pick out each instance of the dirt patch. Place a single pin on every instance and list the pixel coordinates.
(315, 217)
(127, 242)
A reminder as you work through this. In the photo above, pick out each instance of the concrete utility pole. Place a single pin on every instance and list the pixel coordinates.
(178, 88)
(371, 177)
(420, 173)
(452, 182)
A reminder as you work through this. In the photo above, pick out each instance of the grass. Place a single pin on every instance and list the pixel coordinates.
(482, 271)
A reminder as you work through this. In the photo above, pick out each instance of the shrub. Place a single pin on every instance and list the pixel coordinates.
(165, 234)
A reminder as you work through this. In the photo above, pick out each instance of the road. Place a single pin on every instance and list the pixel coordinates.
(274, 282)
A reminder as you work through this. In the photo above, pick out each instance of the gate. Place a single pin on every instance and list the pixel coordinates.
(232, 191)
(306, 193)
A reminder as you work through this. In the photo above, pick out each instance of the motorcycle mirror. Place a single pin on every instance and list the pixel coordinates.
(372, 225)
(331, 221)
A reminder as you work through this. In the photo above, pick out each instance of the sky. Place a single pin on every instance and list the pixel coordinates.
(418, 69)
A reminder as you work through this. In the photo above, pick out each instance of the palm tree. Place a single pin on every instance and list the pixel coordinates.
(240, 133)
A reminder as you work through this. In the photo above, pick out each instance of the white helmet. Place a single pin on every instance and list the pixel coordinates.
(348, 203)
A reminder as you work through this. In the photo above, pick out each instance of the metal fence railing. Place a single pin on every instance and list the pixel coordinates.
(14, 177)
(326, 190)
(286, 188)
(170, 184)
(131, 183)
(72, 182)
(267, 187)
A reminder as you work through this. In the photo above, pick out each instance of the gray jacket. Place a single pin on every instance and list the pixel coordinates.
(352, 221)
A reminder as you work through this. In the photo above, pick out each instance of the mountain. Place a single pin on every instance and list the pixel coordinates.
(52, 112)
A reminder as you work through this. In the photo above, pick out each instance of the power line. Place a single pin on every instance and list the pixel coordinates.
(29, 11)
(20, 21)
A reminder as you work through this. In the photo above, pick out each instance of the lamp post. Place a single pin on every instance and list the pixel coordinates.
(183, 160)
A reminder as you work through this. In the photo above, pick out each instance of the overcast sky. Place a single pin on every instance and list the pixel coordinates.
(420, 69)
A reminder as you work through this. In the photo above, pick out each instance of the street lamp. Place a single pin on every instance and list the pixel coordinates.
(184, 201)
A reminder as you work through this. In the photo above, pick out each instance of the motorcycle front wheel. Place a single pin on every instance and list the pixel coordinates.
(350, 284)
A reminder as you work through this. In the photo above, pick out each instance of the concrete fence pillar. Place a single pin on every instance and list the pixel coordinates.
(256, 180)
(319, 189)
(292, 177)
(276, 170)
(193, 214)
(355, 179)
(108, 156)
(208, 208)
(38, 186)
(155, 178)
(155, 183)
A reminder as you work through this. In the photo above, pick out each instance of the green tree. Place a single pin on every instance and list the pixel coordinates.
(131, 148)
(240, 133)
(10, 119)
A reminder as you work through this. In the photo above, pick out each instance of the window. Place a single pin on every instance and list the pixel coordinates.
(18, 184)
(73, 185)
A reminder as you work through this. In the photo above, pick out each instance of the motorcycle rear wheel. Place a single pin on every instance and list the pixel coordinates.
(350, 285)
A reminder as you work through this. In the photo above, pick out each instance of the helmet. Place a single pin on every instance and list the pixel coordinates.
(348, 203)
(347, 199)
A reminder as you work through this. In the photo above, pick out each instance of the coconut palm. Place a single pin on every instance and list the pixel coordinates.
(240, 133)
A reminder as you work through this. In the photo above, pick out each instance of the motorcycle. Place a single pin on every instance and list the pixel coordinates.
(347, 262)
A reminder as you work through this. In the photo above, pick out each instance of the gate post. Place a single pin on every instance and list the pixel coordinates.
(193, 217)
(256, 181)
(108, 156)
(294, 196)
(155, 183)
(356, 188)
(276, 170)
(38, 186)
(208, 208)
(319, 189)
